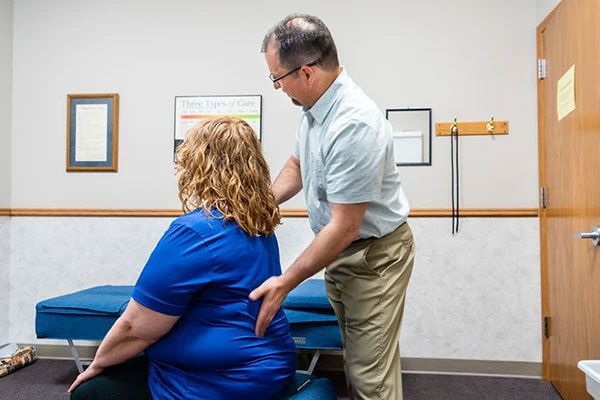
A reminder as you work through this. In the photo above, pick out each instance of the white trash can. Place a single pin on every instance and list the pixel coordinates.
(592, 376)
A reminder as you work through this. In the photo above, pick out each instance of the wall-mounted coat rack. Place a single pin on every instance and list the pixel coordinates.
(490, 127)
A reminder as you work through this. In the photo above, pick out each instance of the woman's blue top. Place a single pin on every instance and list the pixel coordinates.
(203, 269)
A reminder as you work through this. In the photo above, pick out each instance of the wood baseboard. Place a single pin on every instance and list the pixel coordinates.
(332, 361)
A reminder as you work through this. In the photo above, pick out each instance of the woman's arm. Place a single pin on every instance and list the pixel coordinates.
(132, 333)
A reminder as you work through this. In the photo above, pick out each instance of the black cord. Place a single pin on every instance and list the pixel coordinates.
(455, 182)
(457, 186)
(452, 173)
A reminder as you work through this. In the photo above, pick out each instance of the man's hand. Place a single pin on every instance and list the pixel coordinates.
(272, 291)
(88, 374)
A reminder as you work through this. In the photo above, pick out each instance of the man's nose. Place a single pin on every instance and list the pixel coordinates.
(276, 85)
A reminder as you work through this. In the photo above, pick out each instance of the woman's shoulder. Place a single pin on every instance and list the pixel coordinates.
(201, 221)
(211, 223)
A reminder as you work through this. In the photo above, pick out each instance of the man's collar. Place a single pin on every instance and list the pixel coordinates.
(320, 109)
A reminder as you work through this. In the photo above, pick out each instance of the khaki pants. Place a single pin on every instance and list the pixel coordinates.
(366, 286)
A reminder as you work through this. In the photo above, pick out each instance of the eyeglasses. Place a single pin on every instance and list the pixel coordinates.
(277, 79)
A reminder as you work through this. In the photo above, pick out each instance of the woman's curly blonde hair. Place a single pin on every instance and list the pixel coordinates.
(221, 167)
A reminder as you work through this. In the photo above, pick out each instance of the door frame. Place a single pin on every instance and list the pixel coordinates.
(541, 90)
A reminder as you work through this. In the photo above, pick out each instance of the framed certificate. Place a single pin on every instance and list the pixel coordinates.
(189, 110)
(92, 132)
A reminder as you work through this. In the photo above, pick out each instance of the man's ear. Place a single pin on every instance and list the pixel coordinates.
(307, 71)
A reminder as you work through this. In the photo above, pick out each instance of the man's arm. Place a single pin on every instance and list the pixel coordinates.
(132, 333)
(289, 181)
(342, 229)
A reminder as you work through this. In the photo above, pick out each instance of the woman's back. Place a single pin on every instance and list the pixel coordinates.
(204, 269)
(190, 309)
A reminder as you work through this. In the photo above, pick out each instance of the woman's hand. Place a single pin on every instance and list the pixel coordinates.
(131, 334)
(88, 374)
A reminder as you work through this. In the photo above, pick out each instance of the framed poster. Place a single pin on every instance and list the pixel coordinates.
(412, 135)
(189, 110)
(92, 132)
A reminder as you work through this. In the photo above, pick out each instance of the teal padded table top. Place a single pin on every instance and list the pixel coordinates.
(84, 315)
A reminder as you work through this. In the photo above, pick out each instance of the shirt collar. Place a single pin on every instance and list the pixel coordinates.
(320, 109)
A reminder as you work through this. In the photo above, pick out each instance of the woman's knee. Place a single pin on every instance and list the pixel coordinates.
(81, 392)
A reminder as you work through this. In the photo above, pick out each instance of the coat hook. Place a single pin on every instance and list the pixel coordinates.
(490, 126)
(454, 127)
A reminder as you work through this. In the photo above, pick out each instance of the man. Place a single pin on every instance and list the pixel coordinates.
(344, 161)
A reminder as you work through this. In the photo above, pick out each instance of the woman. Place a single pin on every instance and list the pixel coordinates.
(190, 310)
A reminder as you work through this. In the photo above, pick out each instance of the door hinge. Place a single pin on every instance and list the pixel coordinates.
(543, 197)
(546, 327)
(542, 71)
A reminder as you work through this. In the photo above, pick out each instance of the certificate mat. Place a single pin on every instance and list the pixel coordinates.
(92, 132)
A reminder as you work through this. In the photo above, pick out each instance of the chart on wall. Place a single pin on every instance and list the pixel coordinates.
(190, 110)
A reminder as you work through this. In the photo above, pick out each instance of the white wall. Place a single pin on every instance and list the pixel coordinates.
(450, 56)
(543, 8)
(6, 17)
(474, 296)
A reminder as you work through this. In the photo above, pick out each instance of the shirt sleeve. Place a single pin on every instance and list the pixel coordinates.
(354, 164)
(178, 268)
(297, 142)
(296, 152)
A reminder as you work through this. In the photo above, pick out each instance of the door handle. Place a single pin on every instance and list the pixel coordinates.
(594, 235)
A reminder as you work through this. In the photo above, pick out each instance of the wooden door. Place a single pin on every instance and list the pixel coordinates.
(570, 170)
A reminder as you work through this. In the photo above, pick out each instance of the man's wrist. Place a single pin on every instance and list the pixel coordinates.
(288, 282)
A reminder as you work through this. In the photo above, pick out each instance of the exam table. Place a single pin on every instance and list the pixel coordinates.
(89, 314)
